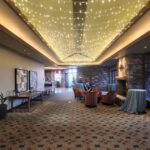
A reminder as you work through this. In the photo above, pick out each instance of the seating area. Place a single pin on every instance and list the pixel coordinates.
(134, 103)
(95, 96)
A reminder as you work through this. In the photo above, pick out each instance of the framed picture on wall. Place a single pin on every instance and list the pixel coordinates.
(21, 80)
(33, 81)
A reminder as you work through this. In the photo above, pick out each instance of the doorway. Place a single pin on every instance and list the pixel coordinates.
(70, 77)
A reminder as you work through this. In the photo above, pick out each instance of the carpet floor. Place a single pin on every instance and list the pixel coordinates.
(63, 123)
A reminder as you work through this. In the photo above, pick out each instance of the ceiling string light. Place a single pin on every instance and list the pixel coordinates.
(54, 21)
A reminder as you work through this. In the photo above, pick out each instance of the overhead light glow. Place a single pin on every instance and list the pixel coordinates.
(79, 36)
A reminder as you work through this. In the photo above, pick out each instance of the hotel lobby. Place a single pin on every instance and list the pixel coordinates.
(74, 75)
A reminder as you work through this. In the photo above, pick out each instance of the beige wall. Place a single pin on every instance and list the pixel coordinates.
(9, 61)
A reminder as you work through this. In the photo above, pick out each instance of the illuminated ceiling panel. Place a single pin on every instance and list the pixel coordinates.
(79, 31)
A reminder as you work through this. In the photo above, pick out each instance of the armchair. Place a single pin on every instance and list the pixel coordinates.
(91, 98)
(109, 99)
(99, 93)
(76, 92)
(79, 93)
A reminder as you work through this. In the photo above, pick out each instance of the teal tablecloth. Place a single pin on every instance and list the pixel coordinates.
(135, 101)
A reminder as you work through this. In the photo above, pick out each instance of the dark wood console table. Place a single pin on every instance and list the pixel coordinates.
(27, 96)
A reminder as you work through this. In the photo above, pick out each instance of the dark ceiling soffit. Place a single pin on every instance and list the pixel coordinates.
(133, 21)
(131, 44)
(9, 33)
(30, 26)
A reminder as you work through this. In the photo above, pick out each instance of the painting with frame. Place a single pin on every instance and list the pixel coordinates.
(33, 80)
(21, 80)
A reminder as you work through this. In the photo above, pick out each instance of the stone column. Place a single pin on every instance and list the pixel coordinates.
(135, 71)
(147, 75)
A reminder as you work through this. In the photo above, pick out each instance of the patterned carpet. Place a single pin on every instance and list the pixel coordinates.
(62, 123)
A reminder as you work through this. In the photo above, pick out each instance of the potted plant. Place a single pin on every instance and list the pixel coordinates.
(3, 106)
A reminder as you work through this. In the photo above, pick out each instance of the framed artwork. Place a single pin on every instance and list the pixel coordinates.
(21, 80)
(33, 80)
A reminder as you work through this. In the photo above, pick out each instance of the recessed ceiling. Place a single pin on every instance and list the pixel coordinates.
(79, 31)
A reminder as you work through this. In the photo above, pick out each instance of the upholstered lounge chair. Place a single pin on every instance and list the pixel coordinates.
(109, 99)
(91, 98)
(82, 93)
(76, 92)
(99, 93)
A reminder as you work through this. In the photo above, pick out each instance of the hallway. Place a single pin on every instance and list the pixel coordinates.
(63, 123)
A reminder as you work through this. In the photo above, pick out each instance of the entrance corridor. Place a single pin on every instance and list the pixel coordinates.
(64, 123)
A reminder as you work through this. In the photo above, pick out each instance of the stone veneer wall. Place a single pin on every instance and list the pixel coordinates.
(96, 75)
(135, 71)
(147, 75)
